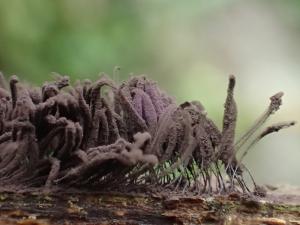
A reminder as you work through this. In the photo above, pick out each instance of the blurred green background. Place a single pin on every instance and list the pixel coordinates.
(189, 47)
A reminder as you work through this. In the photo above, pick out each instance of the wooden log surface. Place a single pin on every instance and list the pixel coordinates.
(115, 208)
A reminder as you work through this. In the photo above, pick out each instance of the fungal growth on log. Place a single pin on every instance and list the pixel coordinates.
(105, 136)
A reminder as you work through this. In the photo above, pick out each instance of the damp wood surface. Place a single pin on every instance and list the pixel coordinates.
(170, 208)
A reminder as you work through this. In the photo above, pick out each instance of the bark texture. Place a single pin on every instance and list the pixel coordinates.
(114, 208)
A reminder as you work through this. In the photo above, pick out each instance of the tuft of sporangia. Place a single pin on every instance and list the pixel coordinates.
(105, 136)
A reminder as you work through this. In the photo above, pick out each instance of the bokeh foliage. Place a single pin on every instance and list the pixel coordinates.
(71, 37)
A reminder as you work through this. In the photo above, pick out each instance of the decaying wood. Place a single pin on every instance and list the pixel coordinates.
(114, 208)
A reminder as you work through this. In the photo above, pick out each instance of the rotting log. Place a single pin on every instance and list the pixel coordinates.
(115, 208)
